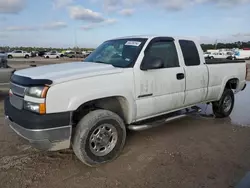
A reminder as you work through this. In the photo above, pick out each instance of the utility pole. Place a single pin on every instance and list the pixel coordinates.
(75, 38)
(216, 41)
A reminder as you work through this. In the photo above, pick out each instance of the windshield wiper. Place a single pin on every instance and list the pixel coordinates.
(100, 62)
(105, 63)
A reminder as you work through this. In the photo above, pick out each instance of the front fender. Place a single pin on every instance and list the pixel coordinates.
(76, 101)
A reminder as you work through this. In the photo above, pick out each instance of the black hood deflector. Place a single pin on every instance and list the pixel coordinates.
(26, 81)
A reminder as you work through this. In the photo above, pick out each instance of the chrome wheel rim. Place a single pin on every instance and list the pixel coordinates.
(103, 139)
(227, 103)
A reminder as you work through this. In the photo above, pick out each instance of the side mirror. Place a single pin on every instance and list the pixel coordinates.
(152, 63)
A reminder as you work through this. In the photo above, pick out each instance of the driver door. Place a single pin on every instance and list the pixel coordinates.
(160, 90)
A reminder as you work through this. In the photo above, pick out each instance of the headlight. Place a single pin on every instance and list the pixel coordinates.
(38, 92)
(35, 107)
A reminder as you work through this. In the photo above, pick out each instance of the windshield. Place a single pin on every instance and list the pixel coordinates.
(119, 53)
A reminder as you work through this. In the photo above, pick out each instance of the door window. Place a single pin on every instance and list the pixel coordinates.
(166, 51)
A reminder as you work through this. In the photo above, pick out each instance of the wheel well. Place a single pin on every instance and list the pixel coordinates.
(232, 83)
(117, 104)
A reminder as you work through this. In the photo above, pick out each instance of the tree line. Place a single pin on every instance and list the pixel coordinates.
(238, 44)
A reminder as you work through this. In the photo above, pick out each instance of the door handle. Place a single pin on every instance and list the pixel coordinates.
(180, 76)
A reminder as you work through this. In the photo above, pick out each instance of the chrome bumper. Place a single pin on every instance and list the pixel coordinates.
(51, 139)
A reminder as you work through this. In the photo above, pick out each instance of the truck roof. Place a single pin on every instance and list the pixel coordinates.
(153, 36)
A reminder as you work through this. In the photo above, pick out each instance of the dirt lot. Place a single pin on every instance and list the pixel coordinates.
(195, 152)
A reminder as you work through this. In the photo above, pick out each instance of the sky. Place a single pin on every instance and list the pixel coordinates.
(87, 23)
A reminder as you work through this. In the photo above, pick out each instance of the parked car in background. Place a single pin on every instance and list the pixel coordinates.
(19, 54)
(219, 55)
(42, 53)
(5, 70)
(73, 54)
(5, 74)
(86, 53)
(3, 59)
(206, 55)
(52, 55)
(34, 53)
(242, 54)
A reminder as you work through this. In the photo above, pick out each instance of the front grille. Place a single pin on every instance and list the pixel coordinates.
(17, 96)
(16, 101)
(17, 89)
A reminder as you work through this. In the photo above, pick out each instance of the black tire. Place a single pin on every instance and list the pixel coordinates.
(219, 108)
(47, 57)
(10, 56)
(57, 57)
(27, 56)
(87, 126)
(211, 57)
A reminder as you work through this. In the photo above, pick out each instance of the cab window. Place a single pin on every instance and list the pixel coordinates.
(166, 51)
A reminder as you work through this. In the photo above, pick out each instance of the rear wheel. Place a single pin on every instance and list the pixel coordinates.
(224, 106)
(10, 56)
(99, 137)
(27, 56)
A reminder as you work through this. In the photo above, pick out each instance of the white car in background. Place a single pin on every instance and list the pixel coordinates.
(220, 55)
(52, 55)
(206, 54)
(19, 53)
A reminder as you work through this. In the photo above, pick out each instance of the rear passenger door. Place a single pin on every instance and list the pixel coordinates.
(196, 73)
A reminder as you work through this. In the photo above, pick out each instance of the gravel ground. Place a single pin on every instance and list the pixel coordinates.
(195, 152)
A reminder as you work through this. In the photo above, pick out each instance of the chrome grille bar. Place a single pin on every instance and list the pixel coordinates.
(17, 89)
(17, 96)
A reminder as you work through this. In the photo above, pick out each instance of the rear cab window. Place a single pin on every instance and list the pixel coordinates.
(190, 53)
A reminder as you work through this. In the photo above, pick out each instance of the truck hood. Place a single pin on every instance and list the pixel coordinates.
(63, 72)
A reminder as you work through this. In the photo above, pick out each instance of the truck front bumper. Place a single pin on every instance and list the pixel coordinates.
(35, 129)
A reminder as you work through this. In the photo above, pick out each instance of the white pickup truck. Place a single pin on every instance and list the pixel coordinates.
(19, 53)
(124, 84)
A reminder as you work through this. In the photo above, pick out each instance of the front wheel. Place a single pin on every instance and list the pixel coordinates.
(99, 137)
(224, 106)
